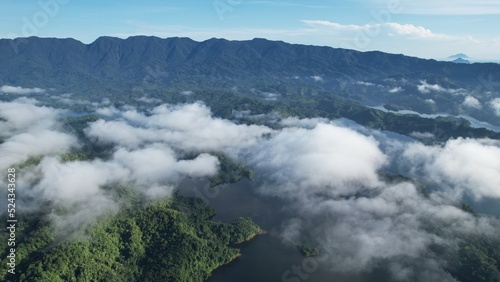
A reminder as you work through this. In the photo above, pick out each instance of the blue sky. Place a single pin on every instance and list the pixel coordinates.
(425, 28)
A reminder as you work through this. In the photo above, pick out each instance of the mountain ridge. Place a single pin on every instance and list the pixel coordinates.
(118, 60)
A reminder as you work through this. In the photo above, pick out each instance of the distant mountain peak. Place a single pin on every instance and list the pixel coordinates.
(458, 56)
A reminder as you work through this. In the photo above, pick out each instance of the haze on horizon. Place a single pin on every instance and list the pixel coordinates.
(427, 29)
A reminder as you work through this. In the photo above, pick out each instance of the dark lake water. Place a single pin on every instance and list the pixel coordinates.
(266, 257)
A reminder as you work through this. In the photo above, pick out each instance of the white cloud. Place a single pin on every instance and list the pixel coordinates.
(425, 88)
(187, 92)
(442, 7)
(388, 224)
(415, 31)
(472, 102)
(20, 90)
(186, 127)
(422, 135)
(318, 32)
(325, 159)
(285, 4)
(495, 104)
(317, 78)
(329, 177)
(365, 83)
(75, 182)
(395, 90)
(159, 164)
(149, 100)
(308, 123)
(430, 101)
(149, 142)
(148, 157)
(144, 161)
(20, 147)
(24, 113)
(464, 165)
(154, 171)
(395, 37)
(269, 96)
(108, 112)
(389, 28)
(30, 130)
(76, 187)
(336, 26)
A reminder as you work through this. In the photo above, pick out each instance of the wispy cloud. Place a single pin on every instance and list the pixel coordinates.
(152, 151)
(390, 37)
(317, 78)
(443, 7)
(20, 90)
(460, 7)
(425, 88)
(416, 31)
(395, 90)
(337, 26)
(284, 4)
(390, 28)
(461, 166)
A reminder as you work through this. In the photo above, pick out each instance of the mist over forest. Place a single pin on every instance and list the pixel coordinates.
(351, 188)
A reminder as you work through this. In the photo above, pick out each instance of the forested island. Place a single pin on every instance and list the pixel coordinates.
(166, 240)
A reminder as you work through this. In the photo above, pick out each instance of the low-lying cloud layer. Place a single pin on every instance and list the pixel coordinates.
(426, 88)
(151, 152)
(30, 130)
(184, 127)
(327, 172)
(460, 166)
(319, 160)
